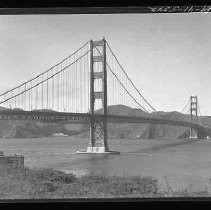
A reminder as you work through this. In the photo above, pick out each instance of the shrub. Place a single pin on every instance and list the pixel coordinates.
(54, 175)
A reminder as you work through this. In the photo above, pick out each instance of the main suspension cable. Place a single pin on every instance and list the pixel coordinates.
(45, 71)
(129, 78)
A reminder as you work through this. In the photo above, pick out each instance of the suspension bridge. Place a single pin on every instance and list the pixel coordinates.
(80, 89)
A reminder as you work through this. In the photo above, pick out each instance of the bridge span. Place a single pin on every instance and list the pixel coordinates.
(84, 118)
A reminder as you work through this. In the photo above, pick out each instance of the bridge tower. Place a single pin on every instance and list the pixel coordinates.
(98, 128)
(193, 115)
(98, 125)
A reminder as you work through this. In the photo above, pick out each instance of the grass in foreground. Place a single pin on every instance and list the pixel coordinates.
(26, 183)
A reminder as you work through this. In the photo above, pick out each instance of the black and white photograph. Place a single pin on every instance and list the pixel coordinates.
(105, 105)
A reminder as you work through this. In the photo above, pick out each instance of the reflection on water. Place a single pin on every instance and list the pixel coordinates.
(183, 162)
(92, 164)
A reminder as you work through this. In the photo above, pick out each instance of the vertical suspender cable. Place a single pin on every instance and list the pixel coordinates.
(52, 89)
(47, 90)
(7, 104)
(29, 96)
(42, 92)
(63, 92)
(71, 88)
(66, 95)
(76, 97)
(88, 88)
(57, 88)
(22, 101)
(15, 102)
(37, 94)
(18, 99)
(11, 100)
(84, 85)
(80, 84)
(32, 95)
(73, 85)
(60, 91)
(68, 89)
(25, 97)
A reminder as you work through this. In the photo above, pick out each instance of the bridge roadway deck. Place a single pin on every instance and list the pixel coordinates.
(84, 118)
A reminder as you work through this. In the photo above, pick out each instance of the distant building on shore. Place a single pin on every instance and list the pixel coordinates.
(59, 134)
(16, 159)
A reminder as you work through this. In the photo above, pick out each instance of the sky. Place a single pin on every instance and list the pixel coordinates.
(167, 56)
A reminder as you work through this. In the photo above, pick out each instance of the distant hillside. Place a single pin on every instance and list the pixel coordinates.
(33, 129)
(2, 108)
